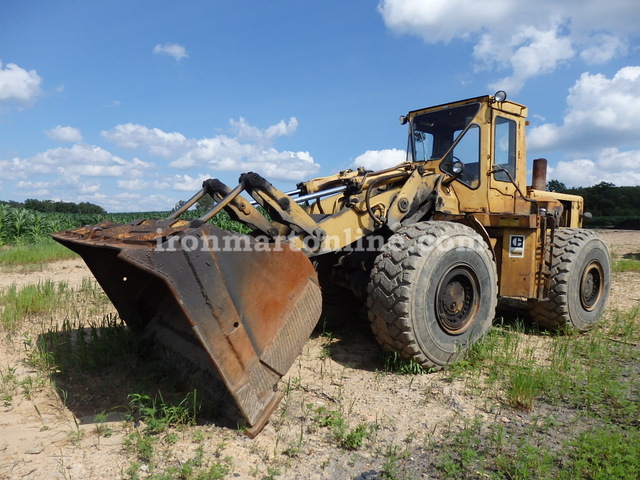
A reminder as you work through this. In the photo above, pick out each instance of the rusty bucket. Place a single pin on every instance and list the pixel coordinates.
(212, 297)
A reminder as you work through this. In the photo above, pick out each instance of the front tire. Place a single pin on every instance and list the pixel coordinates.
(580, 282)
(433, 292)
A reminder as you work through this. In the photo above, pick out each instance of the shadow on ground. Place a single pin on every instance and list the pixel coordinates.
(98, 371)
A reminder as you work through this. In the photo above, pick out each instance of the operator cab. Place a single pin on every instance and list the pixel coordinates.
(448, 136)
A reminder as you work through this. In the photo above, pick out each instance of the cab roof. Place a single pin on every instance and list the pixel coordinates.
(506, 106)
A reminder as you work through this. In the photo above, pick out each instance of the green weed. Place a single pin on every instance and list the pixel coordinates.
(394, 363)
(141, 445)
(8, 386)
(22, 226)
(159, 415)
(76, 434)
(392, 469)
(101, 429)
(593, 376)
(346, 437)
(604, 453)
(525, 384)
(354, 438)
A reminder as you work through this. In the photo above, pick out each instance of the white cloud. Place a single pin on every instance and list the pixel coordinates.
(64, 134)
(84, 172)
(34, 188)
(156, 141)
(124, 202)
(252, 134)
(88, 173)
(19, 85)
(598, 133)
(605, 48)
(283, 165)
(46, 187)
(526, 38)
(172, 49)
(223, 154)
(127, 202)
(78, 160)
(609, 165)
(138, 184)
(601, 112)
(250, 150)
(186, 183)
(379, 159)
(533, 52)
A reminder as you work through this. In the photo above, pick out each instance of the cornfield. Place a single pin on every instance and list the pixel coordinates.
(20, 226)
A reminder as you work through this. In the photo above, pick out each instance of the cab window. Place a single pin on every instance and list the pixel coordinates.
(423, 145)
(434, 133)
(504, 150)
(466, 151)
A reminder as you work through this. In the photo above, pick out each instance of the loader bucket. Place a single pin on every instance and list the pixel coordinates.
(210, 297)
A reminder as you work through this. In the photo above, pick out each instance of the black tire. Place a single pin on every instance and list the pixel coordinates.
(580, 282)
(433, 292)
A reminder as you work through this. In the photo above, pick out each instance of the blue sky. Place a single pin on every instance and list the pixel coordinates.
(130, 105)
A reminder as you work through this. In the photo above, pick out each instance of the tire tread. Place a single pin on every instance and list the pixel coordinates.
(390, 289)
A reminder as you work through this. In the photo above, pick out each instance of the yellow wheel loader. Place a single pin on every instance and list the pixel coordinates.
(428, 246)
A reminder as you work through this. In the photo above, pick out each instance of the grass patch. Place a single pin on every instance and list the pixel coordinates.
(48, 299)
(478, 450)
(34, 255)
(626, 265)
(590, 380)
(34, 299)
(595, 373)
(524, 385)
(604, 453)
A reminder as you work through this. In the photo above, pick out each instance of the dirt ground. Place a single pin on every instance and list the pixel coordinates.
(40, 439)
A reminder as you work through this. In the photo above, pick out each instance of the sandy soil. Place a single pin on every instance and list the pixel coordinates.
(70, 271)
(39, 436)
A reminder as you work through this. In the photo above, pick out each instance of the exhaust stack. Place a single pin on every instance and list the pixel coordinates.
(539, 180)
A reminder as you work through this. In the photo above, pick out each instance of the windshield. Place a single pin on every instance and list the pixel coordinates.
(435, 132)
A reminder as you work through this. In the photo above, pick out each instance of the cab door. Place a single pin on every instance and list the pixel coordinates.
(471, 186)
(507, 164)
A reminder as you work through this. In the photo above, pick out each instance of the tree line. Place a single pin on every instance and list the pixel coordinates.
(604, 199)
(49, 206)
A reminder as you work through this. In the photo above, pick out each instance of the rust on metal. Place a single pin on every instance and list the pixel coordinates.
(539, 177)
(210, 296)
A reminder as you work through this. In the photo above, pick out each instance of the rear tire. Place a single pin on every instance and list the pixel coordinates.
(433, 292)
(580, 281)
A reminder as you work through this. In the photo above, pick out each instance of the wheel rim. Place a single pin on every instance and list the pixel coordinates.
(457, 300)
(591, 285)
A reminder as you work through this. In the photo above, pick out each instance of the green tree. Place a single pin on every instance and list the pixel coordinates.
(205, 202)
(556, 186)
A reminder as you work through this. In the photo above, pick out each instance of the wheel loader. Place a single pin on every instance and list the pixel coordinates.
(428, 247)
